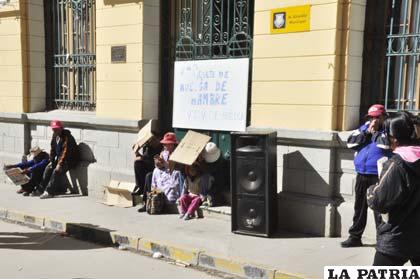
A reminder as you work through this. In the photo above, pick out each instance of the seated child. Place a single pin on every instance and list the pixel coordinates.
(196, 185)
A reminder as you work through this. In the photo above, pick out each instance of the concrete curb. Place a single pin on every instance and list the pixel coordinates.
(104, 236)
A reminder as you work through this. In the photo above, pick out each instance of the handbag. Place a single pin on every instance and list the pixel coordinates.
(155, 202)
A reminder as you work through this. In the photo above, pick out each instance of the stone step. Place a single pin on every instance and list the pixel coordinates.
(220, 212)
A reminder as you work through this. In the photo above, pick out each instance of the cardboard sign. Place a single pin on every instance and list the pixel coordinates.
(143, 136)
(119, 194)
(211, 94)
(16, 176)
(290, 19)
(189, 148)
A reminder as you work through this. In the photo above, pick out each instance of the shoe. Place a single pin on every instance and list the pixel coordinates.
(181, 216)
(351, 242)
(26, 194)
(35, 193)
(45, 195)
(142, 209)
(187, 217)
(20, 191)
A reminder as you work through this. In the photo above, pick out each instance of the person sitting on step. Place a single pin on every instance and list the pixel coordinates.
(64, 155)
(196, 186)
(34, 168)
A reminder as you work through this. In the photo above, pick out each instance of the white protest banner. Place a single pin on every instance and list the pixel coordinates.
(211, 94)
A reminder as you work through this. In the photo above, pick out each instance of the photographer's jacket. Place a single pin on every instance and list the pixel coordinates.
(64, 149)
(397, 197)
(370, 148)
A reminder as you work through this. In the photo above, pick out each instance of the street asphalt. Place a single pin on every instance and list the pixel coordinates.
(35, 254)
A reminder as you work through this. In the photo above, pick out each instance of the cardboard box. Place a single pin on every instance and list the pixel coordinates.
(189, 148)
(143, 136)
(119, 194)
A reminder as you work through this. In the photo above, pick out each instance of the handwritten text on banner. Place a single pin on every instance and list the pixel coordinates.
(211, 94)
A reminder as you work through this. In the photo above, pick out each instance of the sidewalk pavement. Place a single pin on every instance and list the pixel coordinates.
(206, 242)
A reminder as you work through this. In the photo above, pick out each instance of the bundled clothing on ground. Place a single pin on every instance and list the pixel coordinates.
(397, 198)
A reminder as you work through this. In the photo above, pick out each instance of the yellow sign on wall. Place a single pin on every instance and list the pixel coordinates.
(290, 19)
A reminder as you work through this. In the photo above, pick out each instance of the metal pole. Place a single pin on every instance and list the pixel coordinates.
(413, 59)
(400, 59)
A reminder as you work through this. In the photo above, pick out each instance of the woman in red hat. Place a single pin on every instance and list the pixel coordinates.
(169, 142)
(164, 178)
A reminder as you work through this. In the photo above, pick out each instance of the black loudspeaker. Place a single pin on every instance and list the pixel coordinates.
(253, 182)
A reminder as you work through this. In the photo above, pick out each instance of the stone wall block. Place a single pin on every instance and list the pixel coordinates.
(102, 155)
(17, 130)
(5, 129)
(126, 140)
(279, 179)
(345, 159)
(318, 159)
(8, 144)
(19, 146)
(282, 151)
(319, 183)
(39, 131)
(118, 159)
(346, 182)
(97, 179)
(49, 132)
(123, 176)
(293, 180)
(101, 138)
(45, 144)
(77, 133)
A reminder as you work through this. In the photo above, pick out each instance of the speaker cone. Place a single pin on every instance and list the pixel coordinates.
(250, 176)
(251, 215)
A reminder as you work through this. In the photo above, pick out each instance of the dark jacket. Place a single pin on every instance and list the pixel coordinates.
(370, 148)
(397, 197)
(147, 153)
(65, 151)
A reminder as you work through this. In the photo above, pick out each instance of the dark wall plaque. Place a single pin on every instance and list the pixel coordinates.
(118, 54)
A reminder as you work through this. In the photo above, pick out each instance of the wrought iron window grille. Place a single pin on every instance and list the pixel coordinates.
(402, 90)
(74, 54)
(214, 29)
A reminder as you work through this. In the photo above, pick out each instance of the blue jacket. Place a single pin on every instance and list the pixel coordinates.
(34, 165)
(370, 148)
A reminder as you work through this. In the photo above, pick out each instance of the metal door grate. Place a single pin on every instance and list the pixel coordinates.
(212, 29)
(215, 29)
(74, 54)
(402, 81)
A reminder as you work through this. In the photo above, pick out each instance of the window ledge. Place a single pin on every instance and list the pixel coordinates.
(75, 118)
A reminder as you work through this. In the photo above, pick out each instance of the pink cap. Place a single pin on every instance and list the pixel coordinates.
(169, 138)
(376, 110)
(56, 124)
